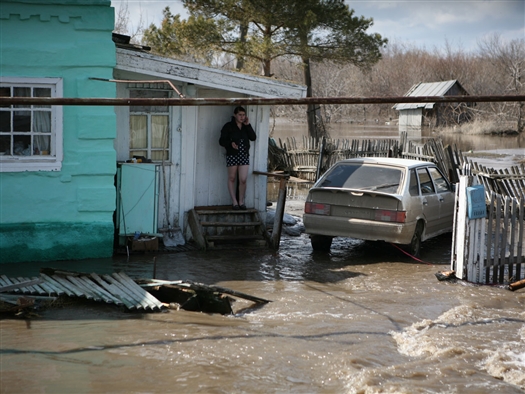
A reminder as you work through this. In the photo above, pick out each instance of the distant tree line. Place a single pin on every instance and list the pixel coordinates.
(322, 44)
(496, 68)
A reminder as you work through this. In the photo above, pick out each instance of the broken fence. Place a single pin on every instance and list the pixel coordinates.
(311, 157)
(489, 250)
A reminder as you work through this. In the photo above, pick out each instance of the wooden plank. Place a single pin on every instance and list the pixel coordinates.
(3, 282)
(27, 289)
(510, 184)
(504, 234)
(202, 287)
(40, 288)
(520, 179)
(461, 226)
(482, 251)
(517, 285)
(124, 292)
(135, 286)
(110, 292)
(519, 250)
(19, 285)
(116, 292)
(70, 286)
(153, 302)
(453, 254)
(497, 239)
(474, 244)
(242, 237)
(97, 289)
(23, 290)
(50, 289)
(57, 285)
(512, 236)
(137, 292)
(12, 281)
(196, 229)
(86, 290)
(490, 239)
(229, 224)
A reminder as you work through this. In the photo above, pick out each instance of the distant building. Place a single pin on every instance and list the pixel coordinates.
(414, 117)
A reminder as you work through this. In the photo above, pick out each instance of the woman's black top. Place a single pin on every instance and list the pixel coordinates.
(231, 133)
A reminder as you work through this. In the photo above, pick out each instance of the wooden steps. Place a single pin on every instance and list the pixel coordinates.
(216, 226)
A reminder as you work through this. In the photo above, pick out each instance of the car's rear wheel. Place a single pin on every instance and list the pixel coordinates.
(321, 242)
(414, 247)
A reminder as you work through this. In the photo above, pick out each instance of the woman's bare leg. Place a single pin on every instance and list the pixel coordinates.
(243, 176)
(232, 176)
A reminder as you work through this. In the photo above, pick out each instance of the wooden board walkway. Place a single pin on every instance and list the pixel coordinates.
(118, 288)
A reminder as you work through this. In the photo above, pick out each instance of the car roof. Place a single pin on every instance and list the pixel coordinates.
(408, 163)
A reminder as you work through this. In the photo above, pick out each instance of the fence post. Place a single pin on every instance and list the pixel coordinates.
(320, 159)
(460, 228)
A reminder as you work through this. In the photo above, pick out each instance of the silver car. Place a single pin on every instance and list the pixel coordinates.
(380, 199)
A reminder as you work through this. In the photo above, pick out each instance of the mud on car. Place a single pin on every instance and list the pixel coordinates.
(400, 201)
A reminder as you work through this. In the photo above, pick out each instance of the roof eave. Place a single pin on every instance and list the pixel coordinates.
(166, 68)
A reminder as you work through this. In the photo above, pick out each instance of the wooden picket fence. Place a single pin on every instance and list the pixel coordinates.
(489, 250)
(309, 157)
(507, 182)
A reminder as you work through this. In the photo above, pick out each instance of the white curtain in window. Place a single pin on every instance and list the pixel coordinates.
(42, 124)
(138, 132)
(159, 137)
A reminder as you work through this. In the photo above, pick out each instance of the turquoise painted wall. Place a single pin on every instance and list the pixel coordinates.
(67, 214)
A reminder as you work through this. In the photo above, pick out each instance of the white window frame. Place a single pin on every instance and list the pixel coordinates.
(149, 115)
(53, 161)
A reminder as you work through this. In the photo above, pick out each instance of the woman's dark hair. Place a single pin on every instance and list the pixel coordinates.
(238, 109)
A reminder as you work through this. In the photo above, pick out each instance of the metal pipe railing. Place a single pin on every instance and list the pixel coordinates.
(251, 100)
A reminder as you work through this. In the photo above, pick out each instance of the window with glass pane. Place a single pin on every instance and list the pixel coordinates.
(26, 130)
(149, 127)
(439, 180)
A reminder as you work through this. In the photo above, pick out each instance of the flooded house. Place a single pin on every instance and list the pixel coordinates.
(414, 117)
(69, 173)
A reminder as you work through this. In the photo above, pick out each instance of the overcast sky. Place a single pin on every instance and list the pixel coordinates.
(425, 24)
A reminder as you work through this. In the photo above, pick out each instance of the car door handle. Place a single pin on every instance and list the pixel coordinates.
(425, 202)
(441, 199)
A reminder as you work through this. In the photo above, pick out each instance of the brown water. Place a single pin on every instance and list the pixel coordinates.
(364, 318)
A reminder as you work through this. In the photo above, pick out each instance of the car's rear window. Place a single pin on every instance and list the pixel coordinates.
(363, 177)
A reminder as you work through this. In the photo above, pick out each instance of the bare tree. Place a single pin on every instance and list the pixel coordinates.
(123, 24)
(509, 58)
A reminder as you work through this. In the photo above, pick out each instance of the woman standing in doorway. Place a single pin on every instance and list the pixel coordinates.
(235, 137)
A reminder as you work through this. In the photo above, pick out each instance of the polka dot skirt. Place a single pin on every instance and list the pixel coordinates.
(242, 158)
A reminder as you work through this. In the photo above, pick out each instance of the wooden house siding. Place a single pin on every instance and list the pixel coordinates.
(196, 172)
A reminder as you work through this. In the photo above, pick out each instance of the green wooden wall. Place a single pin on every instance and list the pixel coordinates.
(66, 214)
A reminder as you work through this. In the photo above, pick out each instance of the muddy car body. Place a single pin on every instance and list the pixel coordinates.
(380, 199)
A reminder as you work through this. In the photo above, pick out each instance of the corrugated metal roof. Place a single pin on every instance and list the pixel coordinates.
(426, 90)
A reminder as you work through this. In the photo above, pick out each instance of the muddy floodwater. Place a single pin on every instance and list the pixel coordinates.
(364, 318)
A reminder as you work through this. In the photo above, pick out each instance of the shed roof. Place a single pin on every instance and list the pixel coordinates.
(428, 89)
(160, 67)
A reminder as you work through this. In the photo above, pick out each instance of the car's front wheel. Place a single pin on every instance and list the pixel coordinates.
(321, 242)
(414, 247)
